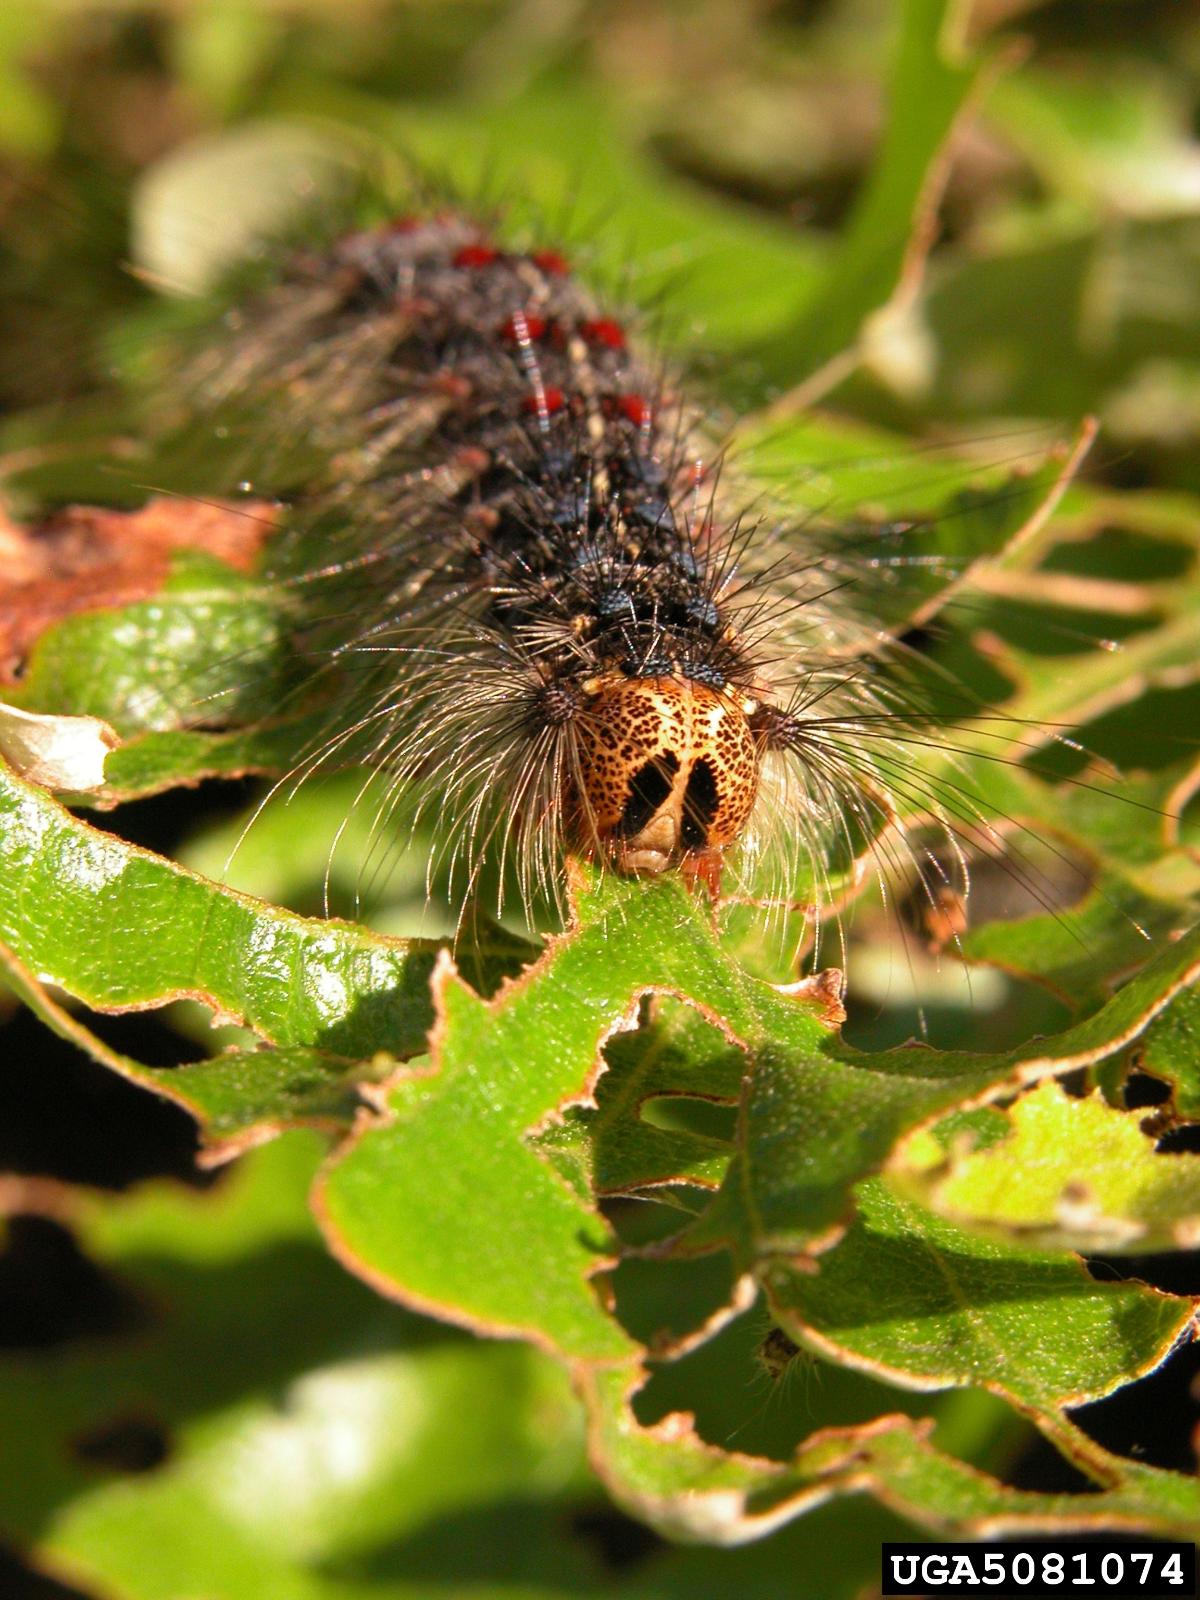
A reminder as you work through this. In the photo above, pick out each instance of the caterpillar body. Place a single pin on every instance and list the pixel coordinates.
(545, 621)
(527, 594)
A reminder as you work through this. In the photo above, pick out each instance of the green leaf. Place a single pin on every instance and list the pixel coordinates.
(210, 647)
(240, 1097)
(670, 1477)
(900, 526)
(1170, 1049)
(303, 1425)
(919, 1301)
(894, 1460)
(499, 1071)
(302, 1421)
(474, 1177)
(613, 1148)
(815, 1121)
(1071, 1173)
(149, 763)
(332, 994)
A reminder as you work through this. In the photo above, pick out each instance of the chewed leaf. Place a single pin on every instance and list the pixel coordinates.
(294, 980)
(894, 1459)
(918, 1301)
(900, 528)
(150, 762)
(814, 1122)
(269, 1424)
(1074, 1174)
(146, 630)
(499, 1072)
(240, 1097)
(614, 1145)
(1170, 1050)
(451, 485)
(209, 647)
(668, 1476)
(1081, 950)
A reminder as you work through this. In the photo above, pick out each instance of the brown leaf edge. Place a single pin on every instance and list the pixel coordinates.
(90, 558)
(728, 1499)
(214, 1151)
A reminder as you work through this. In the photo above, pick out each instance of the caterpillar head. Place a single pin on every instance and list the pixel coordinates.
(667, 770)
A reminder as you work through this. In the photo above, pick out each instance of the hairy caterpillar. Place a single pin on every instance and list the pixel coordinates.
(547, 616)
(536, 607)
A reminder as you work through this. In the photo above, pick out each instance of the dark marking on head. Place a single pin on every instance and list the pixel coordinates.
(648, 788)
(700, 801)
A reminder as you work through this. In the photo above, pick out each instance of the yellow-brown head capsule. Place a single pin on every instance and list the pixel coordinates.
(667, 768)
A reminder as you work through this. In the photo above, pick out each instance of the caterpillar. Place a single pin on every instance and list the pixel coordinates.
(523, 575)
(524, 582)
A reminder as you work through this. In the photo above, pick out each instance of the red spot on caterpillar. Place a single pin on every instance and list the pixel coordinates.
(638, 410)
(551, 262)
(521, 327)
(604, 331)
(545, 402)
(475, 255)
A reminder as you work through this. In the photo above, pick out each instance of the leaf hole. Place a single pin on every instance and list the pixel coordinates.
(703, 1119)
(1184, 1140)
(64, 1115)
(1040, 1469)
(1142, 1419)
(1141, 1090)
